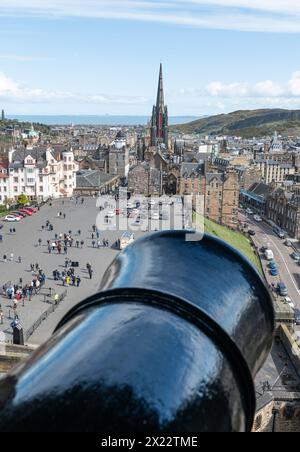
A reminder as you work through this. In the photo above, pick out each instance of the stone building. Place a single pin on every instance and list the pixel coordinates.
(192, 179)
(144, 180)
(222, 198)
(283, 208)
(274, 171)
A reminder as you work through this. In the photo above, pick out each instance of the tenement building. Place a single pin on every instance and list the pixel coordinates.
(274, 171)
(38, 173)
(222, 198)
(283, 208)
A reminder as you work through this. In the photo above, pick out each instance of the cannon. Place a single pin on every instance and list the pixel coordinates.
(170, 343)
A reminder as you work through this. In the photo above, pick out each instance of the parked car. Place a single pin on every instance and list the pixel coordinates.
(272, 265)
(263, 249)
(31, 209)
(282, 289)
(257, 218)
(12, 219)
(297, 316)
(249, 211)
(279, 232)
(295, 256)
(252, 233)
(269, 255)
(28, 212)
(288, 243)
(20, 214)
(274, 272)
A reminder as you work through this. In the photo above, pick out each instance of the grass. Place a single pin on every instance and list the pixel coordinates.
(233, 238)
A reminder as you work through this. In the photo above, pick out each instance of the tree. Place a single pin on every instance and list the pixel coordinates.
(22, 199)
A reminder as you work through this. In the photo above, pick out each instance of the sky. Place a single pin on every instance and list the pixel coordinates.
(101, 57)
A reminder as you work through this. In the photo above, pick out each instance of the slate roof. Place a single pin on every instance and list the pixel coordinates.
(188, 170)
(92, 179)
(259, 189)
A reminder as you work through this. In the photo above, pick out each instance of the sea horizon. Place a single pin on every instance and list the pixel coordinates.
(101, 120)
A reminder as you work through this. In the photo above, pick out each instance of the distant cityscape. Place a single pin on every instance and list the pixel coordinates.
(250, 187)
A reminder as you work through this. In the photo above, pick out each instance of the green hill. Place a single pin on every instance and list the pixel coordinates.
(247, 123)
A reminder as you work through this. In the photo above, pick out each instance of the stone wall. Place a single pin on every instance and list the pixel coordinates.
(11, 355)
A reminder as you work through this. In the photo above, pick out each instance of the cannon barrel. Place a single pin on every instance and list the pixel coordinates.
(171, 343)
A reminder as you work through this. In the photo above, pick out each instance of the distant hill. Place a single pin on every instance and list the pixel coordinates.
(247, 123)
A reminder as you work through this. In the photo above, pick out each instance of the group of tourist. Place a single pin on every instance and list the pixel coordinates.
(68, 277)
(20, 292)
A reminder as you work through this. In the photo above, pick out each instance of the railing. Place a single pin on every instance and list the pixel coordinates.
(44, 316)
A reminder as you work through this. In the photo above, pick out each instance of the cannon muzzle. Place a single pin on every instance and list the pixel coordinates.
(171, 343)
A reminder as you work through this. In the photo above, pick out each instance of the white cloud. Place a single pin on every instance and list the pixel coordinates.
(294, 84)
(264, 89)
(281, 16)
(12, 91)
(268, 88)
(229, 90)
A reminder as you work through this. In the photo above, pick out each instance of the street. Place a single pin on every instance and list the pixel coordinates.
(289, 270)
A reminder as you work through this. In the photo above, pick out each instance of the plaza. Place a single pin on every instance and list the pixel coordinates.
(24, 243)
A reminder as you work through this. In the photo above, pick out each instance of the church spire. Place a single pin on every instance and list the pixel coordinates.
(159, 122)
(160, 94)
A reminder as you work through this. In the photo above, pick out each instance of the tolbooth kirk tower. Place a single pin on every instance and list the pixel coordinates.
(159, 121)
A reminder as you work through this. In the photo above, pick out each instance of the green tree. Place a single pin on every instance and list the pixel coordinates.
(22, 199)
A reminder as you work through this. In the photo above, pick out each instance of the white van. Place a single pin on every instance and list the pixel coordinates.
(269, 255)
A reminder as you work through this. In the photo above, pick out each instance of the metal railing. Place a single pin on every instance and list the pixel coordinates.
(45, 315)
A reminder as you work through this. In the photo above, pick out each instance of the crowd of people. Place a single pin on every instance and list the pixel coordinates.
(61, 243)
(22, 293)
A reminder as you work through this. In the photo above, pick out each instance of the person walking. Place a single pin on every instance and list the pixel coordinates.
(40, 242)
(1, 316)
(93, 243)
(78, 281)
(12, 257)
(20, 260)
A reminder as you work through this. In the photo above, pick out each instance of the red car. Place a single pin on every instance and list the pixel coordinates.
(31, 209)
(28, 212)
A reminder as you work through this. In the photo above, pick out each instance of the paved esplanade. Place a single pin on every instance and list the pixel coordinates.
(24, 243)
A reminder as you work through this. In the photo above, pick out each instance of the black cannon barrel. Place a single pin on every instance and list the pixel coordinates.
(171, 343)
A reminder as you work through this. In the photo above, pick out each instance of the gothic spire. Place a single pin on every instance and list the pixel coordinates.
(160, 94)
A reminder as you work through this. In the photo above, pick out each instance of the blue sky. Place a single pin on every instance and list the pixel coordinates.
(99, 57)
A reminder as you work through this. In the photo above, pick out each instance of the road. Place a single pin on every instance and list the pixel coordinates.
(289, 270)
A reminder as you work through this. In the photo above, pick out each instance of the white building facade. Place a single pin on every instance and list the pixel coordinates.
(39, 174)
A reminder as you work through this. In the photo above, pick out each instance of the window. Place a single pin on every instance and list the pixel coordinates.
(16, 180)
(30, 181)
(41, 189)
